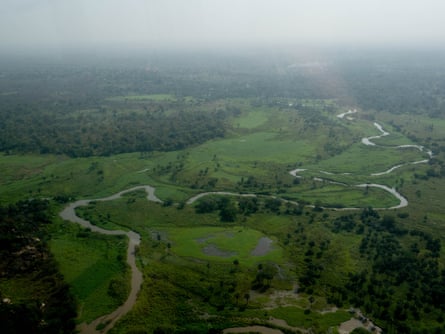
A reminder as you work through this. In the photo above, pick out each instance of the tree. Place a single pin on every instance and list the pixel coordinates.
(228, 214)
(227, 211)
(237, 295)
(206, 205)
(248, 205)
(264, 276)
(311, 300)
(247, 297)
(273, 204)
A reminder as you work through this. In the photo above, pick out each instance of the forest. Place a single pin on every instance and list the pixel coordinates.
(105, 109)
(262, 189)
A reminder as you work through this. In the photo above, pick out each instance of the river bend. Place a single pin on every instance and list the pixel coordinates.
(134, 239)
(69, 214)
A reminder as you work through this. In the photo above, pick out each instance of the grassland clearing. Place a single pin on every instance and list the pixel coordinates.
(340, 196)
(362, 160)
(252, 119)
(297, 317)
(262, 146)
(237, 241)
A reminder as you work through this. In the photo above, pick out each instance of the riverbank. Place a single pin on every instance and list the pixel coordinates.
(106, 322)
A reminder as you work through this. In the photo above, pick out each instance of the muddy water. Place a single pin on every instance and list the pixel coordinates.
(263, 247)
(69, 213)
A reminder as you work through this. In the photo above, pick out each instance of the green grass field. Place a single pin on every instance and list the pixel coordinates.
(320, 322)
(91, 263)
(338, 196)
(365, 160)
(251, 120)
(237, 242)
(261, 146)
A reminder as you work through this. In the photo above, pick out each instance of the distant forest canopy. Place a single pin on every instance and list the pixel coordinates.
(79, 107)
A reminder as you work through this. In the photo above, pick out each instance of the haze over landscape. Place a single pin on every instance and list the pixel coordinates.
(220, 23)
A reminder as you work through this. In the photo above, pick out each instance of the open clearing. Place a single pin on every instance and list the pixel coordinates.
(252, 120)
(234, 243)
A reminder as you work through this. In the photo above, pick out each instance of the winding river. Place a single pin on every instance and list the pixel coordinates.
(368, 141)
(69, 214)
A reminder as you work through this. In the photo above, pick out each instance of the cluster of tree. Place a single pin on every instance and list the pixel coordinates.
(48, 306)
(228, 208)
(225, 206)
(264, 276)
(313, 269)
(403, 283)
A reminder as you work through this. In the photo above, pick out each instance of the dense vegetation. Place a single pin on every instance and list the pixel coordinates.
(402, 282)
(44, 303)
(63, 129)
(235, 125)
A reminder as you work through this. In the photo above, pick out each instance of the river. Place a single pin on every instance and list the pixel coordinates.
(69, 214)
(134, 239)
(368, 141)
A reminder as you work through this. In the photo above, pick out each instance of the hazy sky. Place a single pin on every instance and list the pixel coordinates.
(221, 22)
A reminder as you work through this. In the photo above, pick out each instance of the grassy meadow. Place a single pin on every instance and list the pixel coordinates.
(95, 268)
(234, 243)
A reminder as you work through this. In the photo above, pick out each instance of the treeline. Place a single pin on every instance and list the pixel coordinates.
(228, 208)
(33, 295)
(103, 132)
